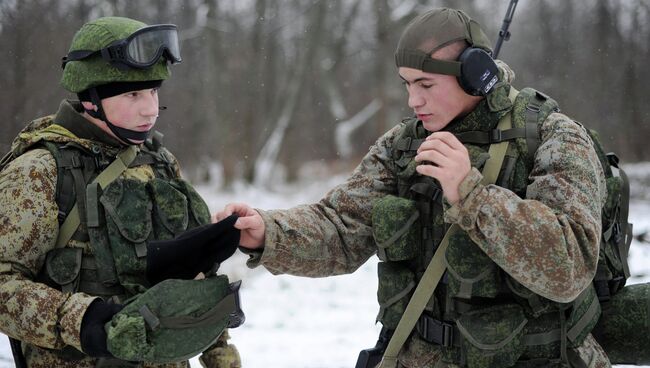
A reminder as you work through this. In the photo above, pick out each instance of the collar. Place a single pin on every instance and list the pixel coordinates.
(486, 114)
(70, 116)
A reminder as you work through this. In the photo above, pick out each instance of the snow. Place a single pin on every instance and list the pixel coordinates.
(294, 322)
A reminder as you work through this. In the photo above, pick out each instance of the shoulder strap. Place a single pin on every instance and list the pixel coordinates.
(115, 169)
(436, 267)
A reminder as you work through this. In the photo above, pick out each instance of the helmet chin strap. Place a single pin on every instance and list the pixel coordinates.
(125, 135)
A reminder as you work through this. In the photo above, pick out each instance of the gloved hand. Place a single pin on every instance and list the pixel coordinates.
(221, 354)
(193, 251)
(93, 334)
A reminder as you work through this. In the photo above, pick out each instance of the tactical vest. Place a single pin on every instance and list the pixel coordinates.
(478, 315)
(116, 222)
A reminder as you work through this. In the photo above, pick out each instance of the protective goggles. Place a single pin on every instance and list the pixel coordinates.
(140, 50)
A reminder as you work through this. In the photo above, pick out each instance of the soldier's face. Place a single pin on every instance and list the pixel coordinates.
(135, 110)
(436, 99)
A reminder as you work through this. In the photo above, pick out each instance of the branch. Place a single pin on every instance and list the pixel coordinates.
(344, 129)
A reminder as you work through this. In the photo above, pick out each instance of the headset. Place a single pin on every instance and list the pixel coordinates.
(478, 71)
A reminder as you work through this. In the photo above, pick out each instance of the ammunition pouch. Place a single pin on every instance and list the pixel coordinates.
(471, 272)
(395, 228)
(174, 320)
(394, 291)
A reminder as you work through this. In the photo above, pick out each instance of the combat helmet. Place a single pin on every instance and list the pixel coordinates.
(113, 55)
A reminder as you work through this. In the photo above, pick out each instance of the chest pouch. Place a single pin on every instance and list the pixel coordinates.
(492, 337)
(174, 320)
(471, 273)
(396, 229)
(396, 282)
(62, 268)
(170, 209)
(128, 210)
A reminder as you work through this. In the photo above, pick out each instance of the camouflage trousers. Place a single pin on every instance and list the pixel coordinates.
(419, 354)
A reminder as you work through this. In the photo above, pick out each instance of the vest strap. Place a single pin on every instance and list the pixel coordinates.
(491, 137)
(115, 169)
(408, 144)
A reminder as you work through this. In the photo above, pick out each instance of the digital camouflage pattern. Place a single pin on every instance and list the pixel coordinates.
(548, 241)
(173, 320)
(83, 74)
(624, 331)
(46, 319)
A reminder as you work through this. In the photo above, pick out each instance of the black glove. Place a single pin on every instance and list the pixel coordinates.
(193, 251)
(93, 334)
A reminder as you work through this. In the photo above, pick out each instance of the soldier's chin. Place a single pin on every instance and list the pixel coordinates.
(433, 125)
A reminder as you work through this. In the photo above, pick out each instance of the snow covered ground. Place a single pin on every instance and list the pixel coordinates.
(294, 322)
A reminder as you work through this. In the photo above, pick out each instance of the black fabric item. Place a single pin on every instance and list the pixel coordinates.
(93, 334)
(193, 251)
(117, 88)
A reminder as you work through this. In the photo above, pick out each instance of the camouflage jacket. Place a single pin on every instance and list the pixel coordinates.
(548, 241)
(42, 317)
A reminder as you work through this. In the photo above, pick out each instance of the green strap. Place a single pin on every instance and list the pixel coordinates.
(437, 267)
(220, 311)
(112, 172)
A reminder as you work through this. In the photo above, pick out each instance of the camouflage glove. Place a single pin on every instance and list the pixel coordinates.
(221, 355)
(174, 320)
(93, 334)
(194, 251)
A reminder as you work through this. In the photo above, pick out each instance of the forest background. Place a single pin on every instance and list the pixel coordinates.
(274, 91)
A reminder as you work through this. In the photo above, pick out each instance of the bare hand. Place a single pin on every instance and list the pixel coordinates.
(249, 222)
(448, 162)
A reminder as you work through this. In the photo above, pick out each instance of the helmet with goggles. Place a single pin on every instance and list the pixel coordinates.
(113, 55)
(116, 49)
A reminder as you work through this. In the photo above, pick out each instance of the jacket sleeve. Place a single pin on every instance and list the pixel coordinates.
(333, 236)
(548, 241)
(31, 311)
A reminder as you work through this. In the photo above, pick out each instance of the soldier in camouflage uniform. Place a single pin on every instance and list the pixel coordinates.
(518, 288)
(49, 292)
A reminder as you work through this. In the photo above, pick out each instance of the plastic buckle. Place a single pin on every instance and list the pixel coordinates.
(435, 331)
(447, 334)
(496, 136)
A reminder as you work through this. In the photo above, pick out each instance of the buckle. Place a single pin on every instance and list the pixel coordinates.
(435, 331)
(496, 136)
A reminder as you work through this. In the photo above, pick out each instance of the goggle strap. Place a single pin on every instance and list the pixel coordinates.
(76, 56)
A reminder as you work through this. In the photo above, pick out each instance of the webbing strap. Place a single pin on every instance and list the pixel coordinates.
(408, 144)
(115, 169)
(436, 267)
(493, 136)
(221, 310)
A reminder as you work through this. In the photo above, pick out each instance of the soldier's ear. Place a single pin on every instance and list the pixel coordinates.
(89, 105)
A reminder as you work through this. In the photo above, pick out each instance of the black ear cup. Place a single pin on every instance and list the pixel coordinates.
(478, 71)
